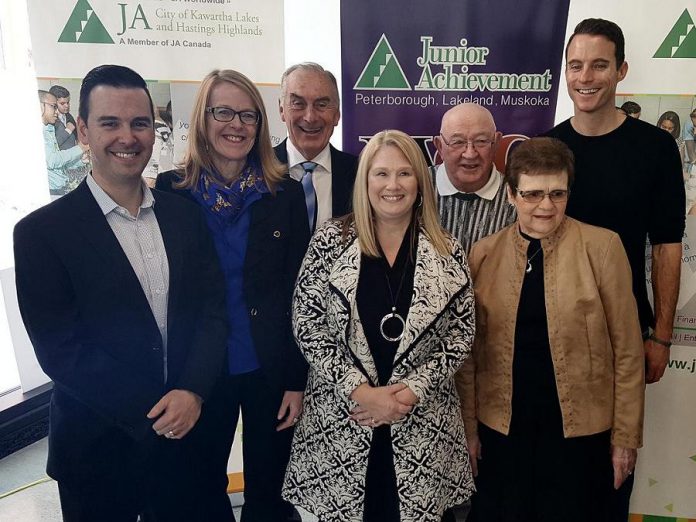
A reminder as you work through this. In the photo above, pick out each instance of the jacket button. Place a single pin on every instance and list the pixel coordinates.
(276, 233)
(155, 348)
(254, 312)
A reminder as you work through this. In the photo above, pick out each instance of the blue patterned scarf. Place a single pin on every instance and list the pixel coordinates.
(229, 202)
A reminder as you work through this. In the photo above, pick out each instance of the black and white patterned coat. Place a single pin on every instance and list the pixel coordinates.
(326, 473)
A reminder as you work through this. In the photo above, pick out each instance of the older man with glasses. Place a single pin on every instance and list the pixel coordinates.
(471, 197)
(57, 161)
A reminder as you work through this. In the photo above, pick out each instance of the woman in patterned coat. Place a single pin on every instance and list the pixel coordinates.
(383, 312)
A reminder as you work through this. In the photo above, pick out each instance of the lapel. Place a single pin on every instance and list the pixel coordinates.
(343, 282)
(174, 246)
(94, 230)
(341, 186)
(436, 280)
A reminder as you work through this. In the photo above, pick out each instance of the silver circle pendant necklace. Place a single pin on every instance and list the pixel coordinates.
(394, 314)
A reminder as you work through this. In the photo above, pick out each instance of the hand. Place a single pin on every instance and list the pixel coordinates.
(474, 444)
(379, 405)
(624, 462)
(290, 409)
(70, 127)
(406, 396)
(176, 413)
(656, 359)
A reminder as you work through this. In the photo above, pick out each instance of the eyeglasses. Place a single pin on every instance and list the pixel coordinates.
(225, 114)
(537, 196)
(479, 144)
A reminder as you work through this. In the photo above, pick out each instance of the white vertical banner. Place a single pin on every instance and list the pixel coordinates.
(661, 55)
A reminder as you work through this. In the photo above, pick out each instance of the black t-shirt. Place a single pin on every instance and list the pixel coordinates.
(629, 181)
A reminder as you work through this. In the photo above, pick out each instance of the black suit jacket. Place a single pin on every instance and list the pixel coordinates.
(66, 140)
(276, 244)
(94, 333)
(343, 169)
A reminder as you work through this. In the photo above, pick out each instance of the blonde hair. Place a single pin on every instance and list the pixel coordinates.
(197, 156)
(425, 214)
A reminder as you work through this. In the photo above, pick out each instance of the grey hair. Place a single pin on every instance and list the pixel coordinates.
(311, 67)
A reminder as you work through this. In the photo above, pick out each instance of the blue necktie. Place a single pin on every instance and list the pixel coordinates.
(310, 195)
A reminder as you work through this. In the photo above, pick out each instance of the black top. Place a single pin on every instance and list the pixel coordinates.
(629, 181)
(534, 394)
(375, 301)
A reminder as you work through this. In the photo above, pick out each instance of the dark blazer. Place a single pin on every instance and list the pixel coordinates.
(277, 241)
(94, 333)
(66, 140)
(343, 169)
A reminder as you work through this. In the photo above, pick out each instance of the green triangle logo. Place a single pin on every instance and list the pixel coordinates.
(651, 482)
(382, 70)
(84, 26)
(681, 40)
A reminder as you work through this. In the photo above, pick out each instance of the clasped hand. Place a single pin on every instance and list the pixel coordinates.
(381, 405)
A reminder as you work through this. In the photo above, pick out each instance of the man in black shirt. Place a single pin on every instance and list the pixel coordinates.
(628, 179)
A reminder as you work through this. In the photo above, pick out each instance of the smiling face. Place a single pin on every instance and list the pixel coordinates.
(310, 110)
(539, 220)
(230, 142)
(392, 186)
(119, 132)
(592, 74)
(468, 168)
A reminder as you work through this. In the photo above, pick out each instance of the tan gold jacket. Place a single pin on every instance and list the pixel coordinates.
(594, 334)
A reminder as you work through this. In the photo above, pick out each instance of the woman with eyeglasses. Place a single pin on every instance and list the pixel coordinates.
(258, 220)
(553, 395)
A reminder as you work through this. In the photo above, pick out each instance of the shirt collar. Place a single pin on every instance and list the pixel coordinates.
(295, 157)
(106, 204)
(488, 191)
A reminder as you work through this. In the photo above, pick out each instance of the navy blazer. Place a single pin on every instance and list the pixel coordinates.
(276, 244)
(94, 332)
(343, 169)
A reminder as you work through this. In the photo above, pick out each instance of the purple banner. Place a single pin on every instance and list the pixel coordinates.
(405, 63)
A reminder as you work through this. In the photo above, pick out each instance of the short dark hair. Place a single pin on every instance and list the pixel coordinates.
(59, 91)
(600, 27)
(111, 76)
(539, 156)
(631, 107)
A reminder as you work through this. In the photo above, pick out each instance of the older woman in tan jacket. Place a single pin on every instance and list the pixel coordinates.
(553, 396)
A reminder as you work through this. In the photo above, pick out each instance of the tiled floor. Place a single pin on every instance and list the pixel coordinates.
(28, 495)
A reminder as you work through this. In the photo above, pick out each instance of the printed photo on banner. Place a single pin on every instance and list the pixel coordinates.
(68, 160)
(675, 114)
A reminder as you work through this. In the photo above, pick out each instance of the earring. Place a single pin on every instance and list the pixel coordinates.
(419, 204)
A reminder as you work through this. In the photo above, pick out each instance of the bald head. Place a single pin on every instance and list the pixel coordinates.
(467, 145)
(467, 115)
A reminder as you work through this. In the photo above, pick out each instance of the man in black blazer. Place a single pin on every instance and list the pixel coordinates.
(310, 107)
(123, 299)
(66, 127)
